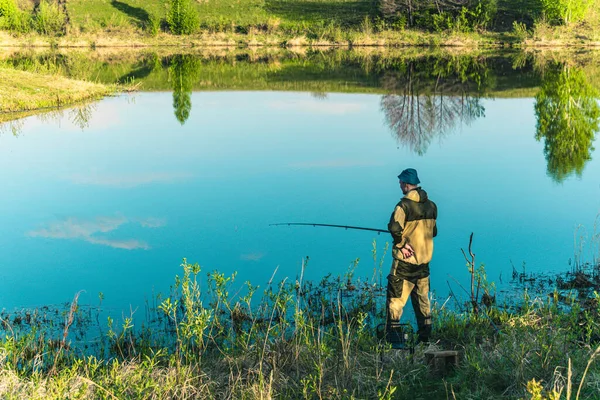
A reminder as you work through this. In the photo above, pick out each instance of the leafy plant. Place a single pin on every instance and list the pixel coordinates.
(49, 18)
(565, 11)
(520, 30)
(153, 25)
(12, 18)
(182, 17)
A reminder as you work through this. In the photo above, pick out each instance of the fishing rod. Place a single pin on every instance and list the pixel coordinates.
(332, 226)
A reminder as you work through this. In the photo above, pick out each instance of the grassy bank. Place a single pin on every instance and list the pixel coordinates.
(22, 91)
(327, 39)
(135, 23)
(305, 340)
(546, 38)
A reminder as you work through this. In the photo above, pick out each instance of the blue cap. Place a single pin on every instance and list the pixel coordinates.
(409, 176)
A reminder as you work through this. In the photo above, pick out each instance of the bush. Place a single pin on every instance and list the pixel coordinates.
(182, 17)
(49, 19)
(482, 13)
(440, 15)
(565, 11)
(520, 30)
(8, 9)
(12, 18)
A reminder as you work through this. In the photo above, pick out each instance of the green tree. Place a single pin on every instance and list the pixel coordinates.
(568, 115)
(182, 17)
(183, 71)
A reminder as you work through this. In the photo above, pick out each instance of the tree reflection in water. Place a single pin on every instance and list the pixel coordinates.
(417, 113)
(568, 116)
(79, 116)
(184, 71)
(428, 95)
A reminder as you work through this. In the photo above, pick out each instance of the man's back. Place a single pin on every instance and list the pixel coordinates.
(413, 223)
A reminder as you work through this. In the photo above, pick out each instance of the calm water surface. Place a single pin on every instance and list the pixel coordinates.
(113, 204)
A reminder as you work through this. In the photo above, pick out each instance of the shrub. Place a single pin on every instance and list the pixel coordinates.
(49, 19)
(520, 30)
(464, 16)
(483, 13)
(182, 17)
(565, 11)
(12, 18)
(8, 9)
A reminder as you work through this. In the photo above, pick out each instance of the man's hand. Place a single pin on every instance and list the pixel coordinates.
(407, 251)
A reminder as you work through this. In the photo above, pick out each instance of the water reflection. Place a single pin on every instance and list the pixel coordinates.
(567, 119)
(417, 113)
(79, 116)
(424, 97)
(184, 70)
(95, 231)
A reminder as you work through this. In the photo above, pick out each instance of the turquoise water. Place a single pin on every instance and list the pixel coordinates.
(113, 205)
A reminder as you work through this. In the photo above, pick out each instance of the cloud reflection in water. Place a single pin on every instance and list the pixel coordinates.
(127, 180)
(91, 231)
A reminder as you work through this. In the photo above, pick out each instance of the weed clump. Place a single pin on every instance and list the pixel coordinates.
(295, 339)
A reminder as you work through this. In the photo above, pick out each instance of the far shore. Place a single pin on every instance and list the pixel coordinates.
(27, 93)
(408, 38)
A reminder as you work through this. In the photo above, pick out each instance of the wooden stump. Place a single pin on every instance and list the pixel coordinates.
(441, 362)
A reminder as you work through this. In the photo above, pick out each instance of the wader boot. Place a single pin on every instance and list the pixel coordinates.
(396, 335)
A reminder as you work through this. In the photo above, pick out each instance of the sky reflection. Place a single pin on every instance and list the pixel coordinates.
(94, 231)
(75, 200)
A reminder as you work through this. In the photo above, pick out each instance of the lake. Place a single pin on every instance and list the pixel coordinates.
(212, 149)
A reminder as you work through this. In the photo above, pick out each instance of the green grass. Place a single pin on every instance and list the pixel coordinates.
(89, 15)
(226, 15)
(96, 23)
(301, 340)
(21, 91)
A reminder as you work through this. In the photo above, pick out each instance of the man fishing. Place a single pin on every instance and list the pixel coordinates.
(413, 227)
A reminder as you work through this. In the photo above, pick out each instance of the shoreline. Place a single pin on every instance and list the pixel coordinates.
(498, 350)
(34, 92)
(29, 93)
(386, 39)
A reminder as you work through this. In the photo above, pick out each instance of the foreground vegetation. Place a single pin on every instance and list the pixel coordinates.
(300, 22)
(301, 340)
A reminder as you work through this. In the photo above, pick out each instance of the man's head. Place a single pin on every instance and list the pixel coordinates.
(409, 180)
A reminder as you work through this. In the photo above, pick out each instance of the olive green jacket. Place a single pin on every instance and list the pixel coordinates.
(413, 223)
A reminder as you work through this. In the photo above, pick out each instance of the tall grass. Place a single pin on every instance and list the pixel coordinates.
(293, 339)
(12, 18)
(50, 19)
